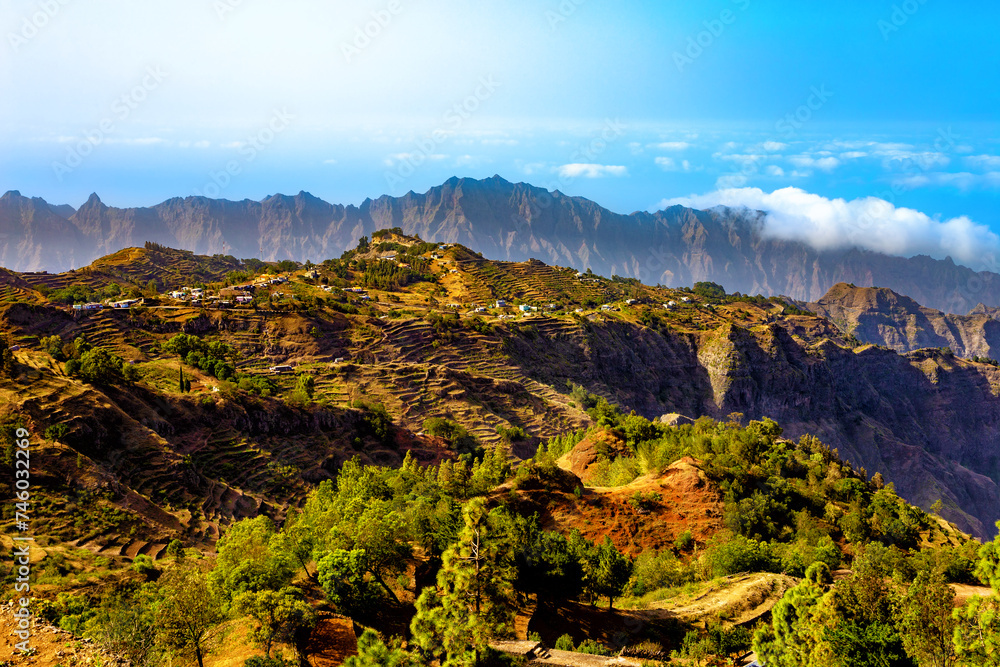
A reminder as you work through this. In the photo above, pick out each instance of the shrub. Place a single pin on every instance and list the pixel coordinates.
(740, 554)
(143, 565)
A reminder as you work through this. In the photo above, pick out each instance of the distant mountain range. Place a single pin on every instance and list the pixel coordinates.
(508, 221)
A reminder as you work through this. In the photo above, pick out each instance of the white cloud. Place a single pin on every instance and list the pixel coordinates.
(465, 161)
(983, 162)
(670, 164)
(413, 158)
(872, 223)
(330, 161)
(672, 146)
(743, 158)
(578, 170)
(907, 159)
(530, 168)
(774, 170)
(809, 162)
(961, 180)
(773, 146)
(853, 155)
(666, 163)
(727, 181)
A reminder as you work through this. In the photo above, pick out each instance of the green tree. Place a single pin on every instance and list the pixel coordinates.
(305, 388)
(280, 615)
(189, 612)
(373, 652)
(789, 640)
(926, 623)
(859, 620)
(7, 362)
(250, 559)
(977, 629)
(608, 572)
(473, 601)
(53, 345)
(977, 633)
(342, 576)
(709, 290)
(99, 366)
(381, 532)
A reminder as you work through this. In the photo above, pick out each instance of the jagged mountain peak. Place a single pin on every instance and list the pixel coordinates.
(516, 221)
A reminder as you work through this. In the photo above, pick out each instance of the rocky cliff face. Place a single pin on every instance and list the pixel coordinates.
(881, 316)
(34, 236)
(927, 421)
(503, 220)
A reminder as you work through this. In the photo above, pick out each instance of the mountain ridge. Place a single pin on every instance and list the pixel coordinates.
(502, 220)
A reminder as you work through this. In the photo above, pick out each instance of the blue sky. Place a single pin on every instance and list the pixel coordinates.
(632, 104)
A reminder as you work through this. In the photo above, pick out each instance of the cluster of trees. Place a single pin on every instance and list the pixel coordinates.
(884, 616)
(95, 365)
(795, 508)
(86, 293)
(457, 435)
(384, 275)
(7, 361)
(715, 293)
(215, 358)
(361, 531)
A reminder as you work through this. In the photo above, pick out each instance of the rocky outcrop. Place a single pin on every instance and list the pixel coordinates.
(882, 317)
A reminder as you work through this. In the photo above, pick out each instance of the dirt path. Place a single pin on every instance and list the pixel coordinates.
(737, 599)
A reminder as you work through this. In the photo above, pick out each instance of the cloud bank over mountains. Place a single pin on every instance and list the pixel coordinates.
(871, 223)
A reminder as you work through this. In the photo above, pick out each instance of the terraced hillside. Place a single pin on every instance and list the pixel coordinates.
(436, 347)
(169, 268)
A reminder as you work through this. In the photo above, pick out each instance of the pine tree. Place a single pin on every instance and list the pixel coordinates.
(372, 652)
(788, 640)
(609, 572)
(926, 623)
(473, 601)
(977, 630)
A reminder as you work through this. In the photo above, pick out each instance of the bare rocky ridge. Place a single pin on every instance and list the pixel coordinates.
(881, 316)
(503, 220)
